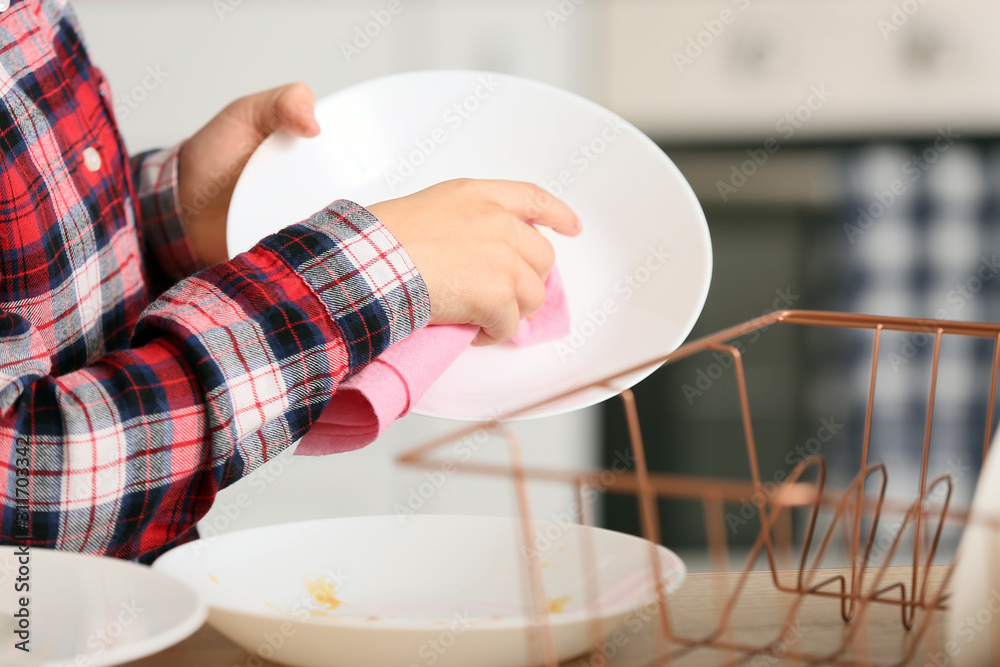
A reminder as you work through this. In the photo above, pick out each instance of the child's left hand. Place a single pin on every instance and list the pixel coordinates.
(211, 161)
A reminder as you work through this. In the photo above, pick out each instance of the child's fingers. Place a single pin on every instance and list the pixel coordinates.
(504, 323)
(296, 106)
(502, 326)
(534, 204)
(290, 107)
(534, 249)
(530, 291)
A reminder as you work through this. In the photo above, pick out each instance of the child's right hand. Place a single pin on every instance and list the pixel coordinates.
(481, 262)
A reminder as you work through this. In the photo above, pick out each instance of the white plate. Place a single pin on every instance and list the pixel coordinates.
(87, 610)
(393, 136)
(449, 588)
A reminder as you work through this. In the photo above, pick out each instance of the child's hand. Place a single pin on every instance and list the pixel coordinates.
(482, 264)
(211, 161)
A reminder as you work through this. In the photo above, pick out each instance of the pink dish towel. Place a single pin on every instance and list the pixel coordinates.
(384, 390)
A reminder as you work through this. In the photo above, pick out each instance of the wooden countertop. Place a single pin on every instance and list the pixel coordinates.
(757, 620)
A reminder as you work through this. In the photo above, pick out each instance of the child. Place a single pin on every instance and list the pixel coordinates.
(120, 419)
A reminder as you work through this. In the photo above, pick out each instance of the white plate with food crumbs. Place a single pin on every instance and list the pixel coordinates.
(417, 589)
(74, 610)
(635, 279)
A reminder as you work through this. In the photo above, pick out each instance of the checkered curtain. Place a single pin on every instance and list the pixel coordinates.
(917, 236)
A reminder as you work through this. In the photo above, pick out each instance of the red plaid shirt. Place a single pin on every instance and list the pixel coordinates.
(120, 419)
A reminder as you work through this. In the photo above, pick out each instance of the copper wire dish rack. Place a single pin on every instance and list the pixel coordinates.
(918, 599)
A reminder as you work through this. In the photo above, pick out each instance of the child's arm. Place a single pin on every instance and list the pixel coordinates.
(233, 364)
(225, 370)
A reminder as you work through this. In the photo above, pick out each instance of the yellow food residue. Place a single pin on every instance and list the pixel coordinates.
(323, 592)
(556, 606)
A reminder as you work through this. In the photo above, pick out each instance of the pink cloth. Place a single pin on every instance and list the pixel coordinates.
(384, 390)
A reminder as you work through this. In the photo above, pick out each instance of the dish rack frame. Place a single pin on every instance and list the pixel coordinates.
(852, 506)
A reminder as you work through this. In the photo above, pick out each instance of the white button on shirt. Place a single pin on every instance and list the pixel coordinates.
(4, 5)
(91, 158)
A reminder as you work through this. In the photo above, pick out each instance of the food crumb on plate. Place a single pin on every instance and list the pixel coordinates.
(323, 592)
(557, 605)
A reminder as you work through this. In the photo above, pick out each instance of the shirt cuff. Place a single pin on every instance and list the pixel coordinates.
(362, 274)
(155, 174)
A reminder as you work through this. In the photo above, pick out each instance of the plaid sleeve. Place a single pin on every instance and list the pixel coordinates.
(159, 212)
(361, 273)
(226, 369)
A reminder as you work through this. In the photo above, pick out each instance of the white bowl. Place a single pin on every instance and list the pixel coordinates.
(636, 279)
(90, 611)
(415, 589)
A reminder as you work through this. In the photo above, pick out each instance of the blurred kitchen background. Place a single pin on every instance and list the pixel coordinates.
(844, 152)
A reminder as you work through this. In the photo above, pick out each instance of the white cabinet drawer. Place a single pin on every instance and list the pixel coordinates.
(711, 69)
